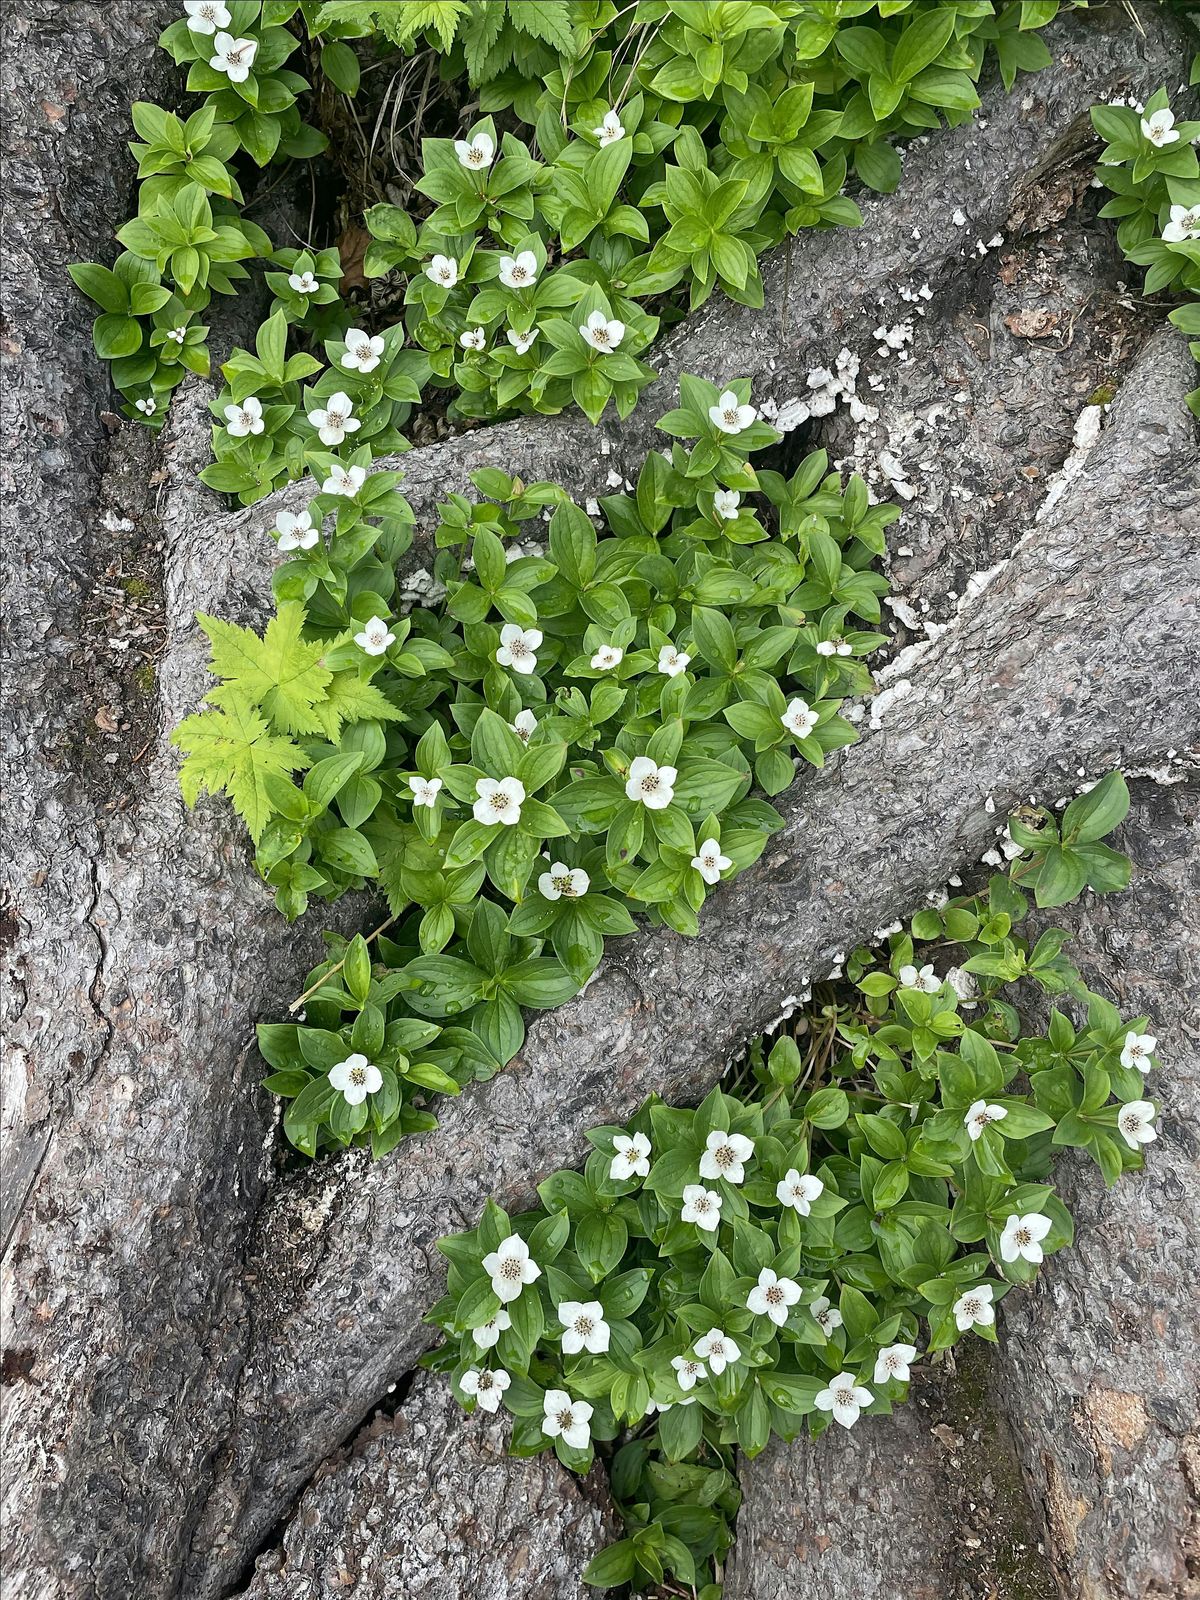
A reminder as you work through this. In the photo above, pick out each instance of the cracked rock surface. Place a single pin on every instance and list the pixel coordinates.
(428, 1505)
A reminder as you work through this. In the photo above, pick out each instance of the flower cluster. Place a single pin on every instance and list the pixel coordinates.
(664, 169)
(582, 730)
(860, 1198)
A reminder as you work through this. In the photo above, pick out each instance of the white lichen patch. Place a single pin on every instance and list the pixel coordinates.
(892, 695)
(420, 588)
(1084, 437)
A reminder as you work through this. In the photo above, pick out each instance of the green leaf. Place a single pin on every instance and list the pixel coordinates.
(1092, 815)
(713, 633)
(232, 750)
(340, 65)
(280, 671)
(921, 43)
(1060, 878)
(101, 285)
(613, 1566)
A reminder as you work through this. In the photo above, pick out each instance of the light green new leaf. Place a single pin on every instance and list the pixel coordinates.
(232, 750)
(281, 672)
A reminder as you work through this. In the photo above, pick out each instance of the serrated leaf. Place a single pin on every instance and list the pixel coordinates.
(548, 20)
(401, 24)
(281, 672)
(350, 699)
(232, 749)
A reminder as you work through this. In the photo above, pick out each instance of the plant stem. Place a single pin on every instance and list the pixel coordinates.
(312, 988)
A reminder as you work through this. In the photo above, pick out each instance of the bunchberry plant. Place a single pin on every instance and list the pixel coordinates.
(859, 1196)
(592, 170)
(1149, 162)
(588, 724)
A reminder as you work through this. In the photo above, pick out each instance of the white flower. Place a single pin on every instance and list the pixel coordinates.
(1136, 1123)
(834, 647)
(632, 1158)
(672, 662)
(244, 418)
(206, 16)
(725, 504)
(585, 1327)
(510, 1268)
(827, 1316)
(665, 1405)
(563, 880)
(1184, 225)
(606, 658)
(344, 480)
(478, 154)
(499, 801)
(519, 271)
(1160, 128)
(974, 1309)
(729, 416)
(610, 129)
(472, 339)
(487, 1334)
(653, 785)
(179, 334)
(356, 1077)
(601, 333)
(799, 1190)
(486, 1386)
(375, 638)
(296, 531)
(799, 719)
(1022, 1237)
(521, 341)
(688, 1371)
(979, 1115)
(718, 1349)
(149, 406)
(567, 1419)
(893, 1362)
(443, 270)
(363, 351)
(845, 1398)
(926, 981)
(710, 863)
(235, 57)
(303, 283)
(335, 420)
(518, 647)
(772, 1296)
(424, 791)
(724, 1155)
(523, 726)
(1137, 1050)
(701, 1206)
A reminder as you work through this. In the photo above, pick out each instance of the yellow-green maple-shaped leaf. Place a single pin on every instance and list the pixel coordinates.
(281, 672)
(350, 699)
(233, 750)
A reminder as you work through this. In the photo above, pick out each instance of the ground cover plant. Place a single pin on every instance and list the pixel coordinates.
(575, 177)
(582, 729)
(1149, 163)
(854, 1198)
(587, 716)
